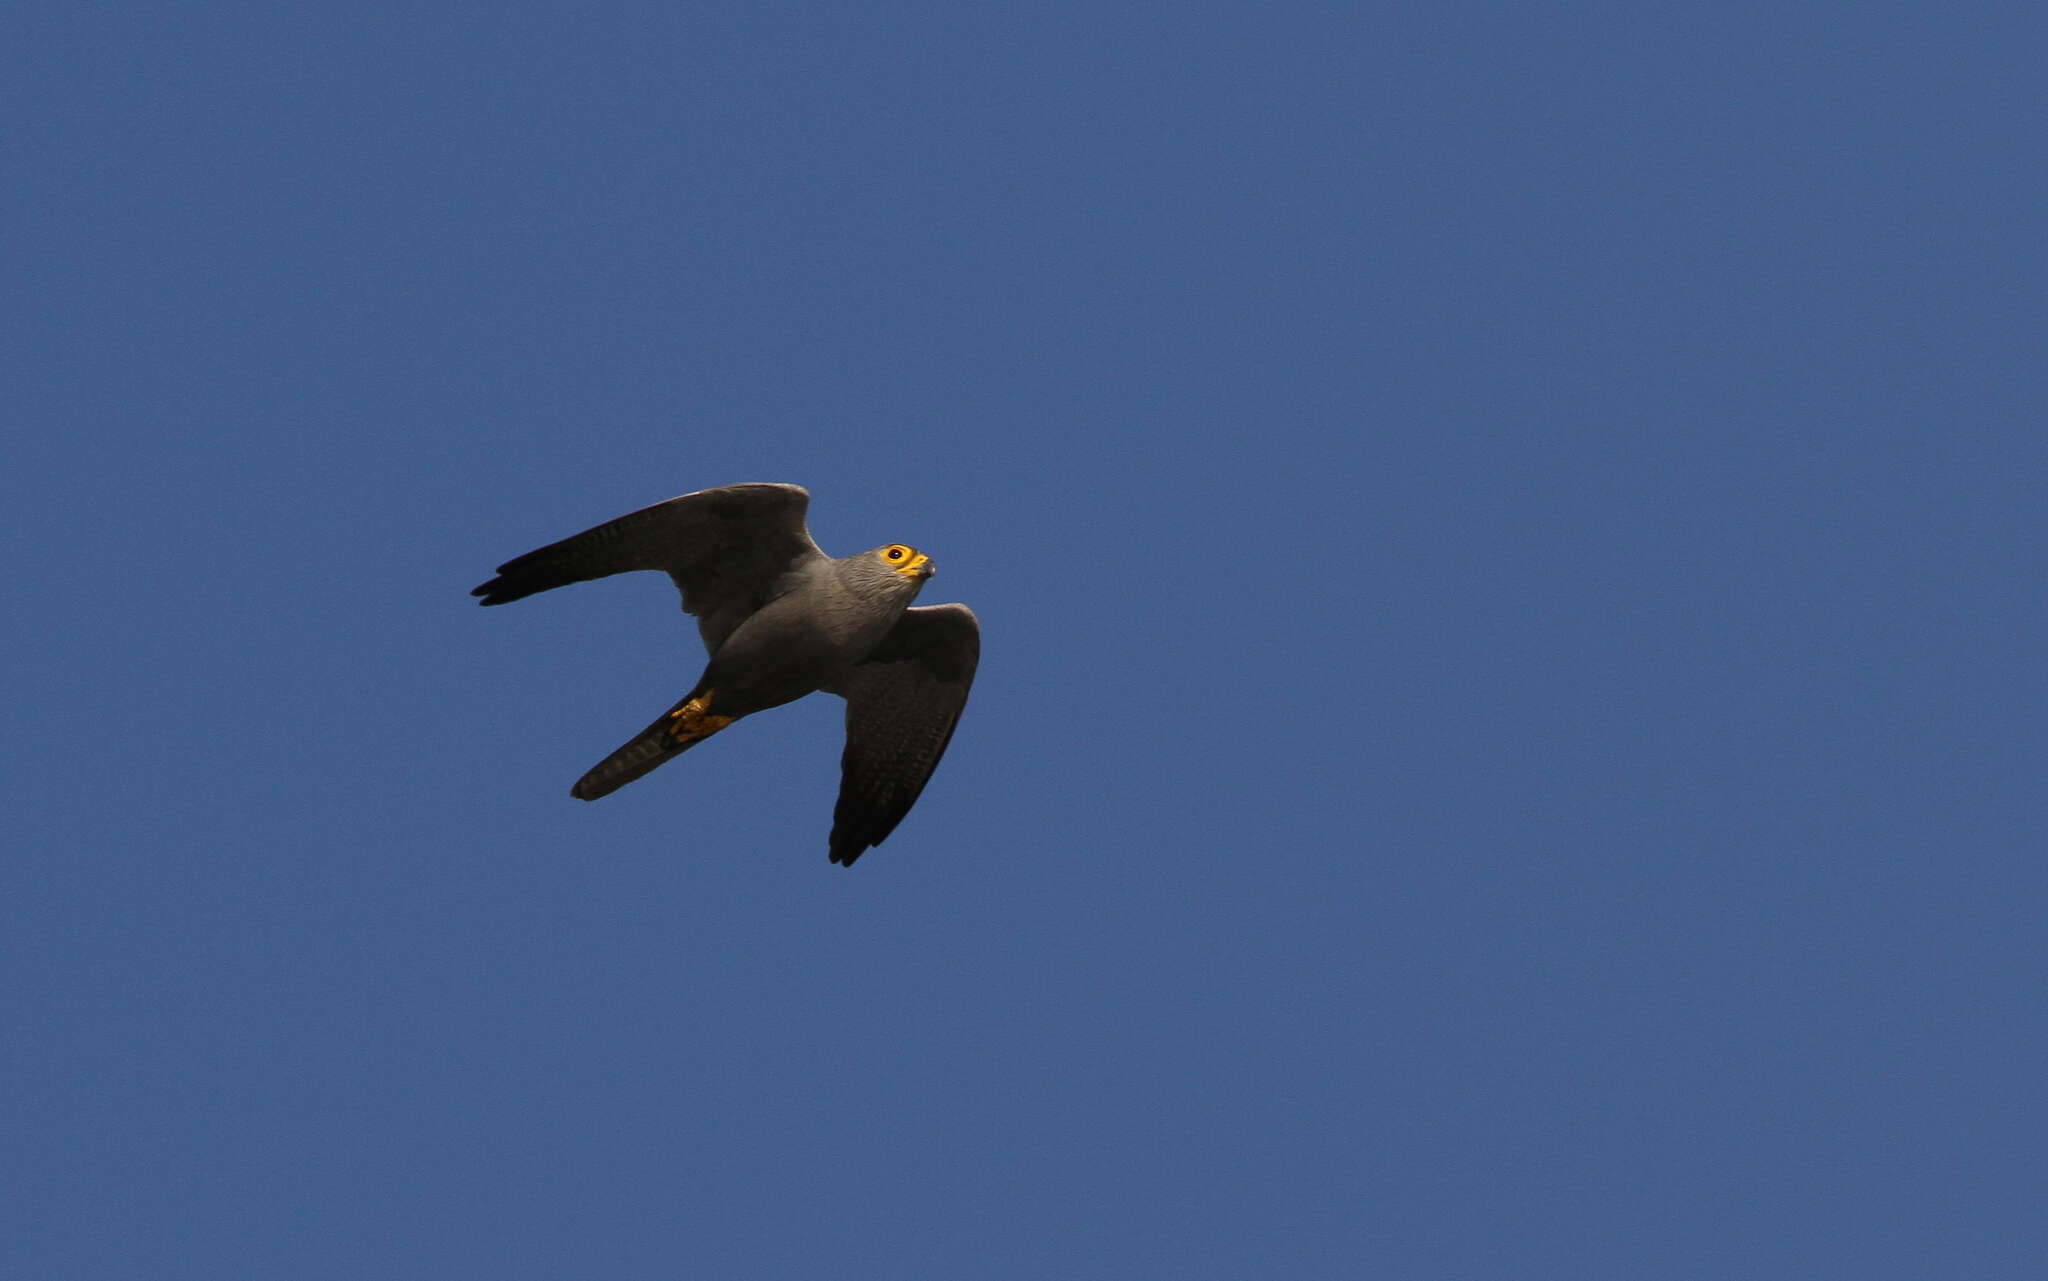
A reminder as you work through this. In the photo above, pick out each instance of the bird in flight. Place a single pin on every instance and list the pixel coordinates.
(781, 619)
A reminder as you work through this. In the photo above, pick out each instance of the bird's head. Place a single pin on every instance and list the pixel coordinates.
(907, 561)
(894, 573)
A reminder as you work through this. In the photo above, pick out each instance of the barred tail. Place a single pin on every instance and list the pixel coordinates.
(674, 732)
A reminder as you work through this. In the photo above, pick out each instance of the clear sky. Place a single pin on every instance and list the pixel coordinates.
(1508, 539)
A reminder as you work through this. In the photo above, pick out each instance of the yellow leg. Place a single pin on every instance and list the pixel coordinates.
(695, 719)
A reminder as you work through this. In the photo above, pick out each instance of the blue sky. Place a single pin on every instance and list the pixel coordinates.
(1509, 740)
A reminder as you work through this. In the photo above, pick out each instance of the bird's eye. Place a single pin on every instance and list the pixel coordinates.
(897, 553)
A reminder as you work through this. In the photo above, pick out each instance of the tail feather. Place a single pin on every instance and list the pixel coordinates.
(674, 732)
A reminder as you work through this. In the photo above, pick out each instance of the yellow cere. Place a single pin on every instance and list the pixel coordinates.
(904, 560)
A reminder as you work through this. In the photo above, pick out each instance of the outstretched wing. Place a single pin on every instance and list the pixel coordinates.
(725, 548)
(901, 707)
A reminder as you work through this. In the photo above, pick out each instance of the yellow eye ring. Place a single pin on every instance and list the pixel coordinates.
(897, 552)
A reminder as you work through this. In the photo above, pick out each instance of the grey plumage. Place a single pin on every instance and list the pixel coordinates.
(901, 706)
(780, 619)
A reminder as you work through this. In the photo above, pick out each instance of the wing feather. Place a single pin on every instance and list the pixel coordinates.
(902, 705)
(725, 548)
